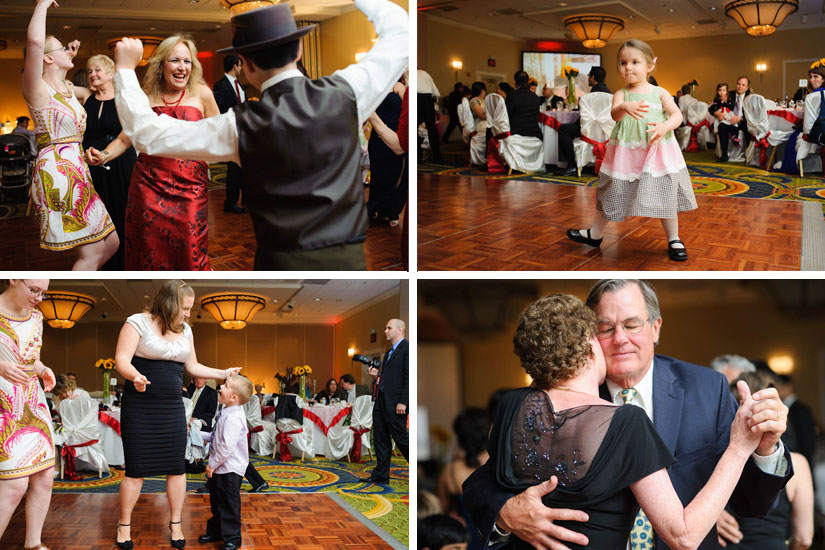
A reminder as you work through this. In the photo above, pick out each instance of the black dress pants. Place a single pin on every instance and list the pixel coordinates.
(253, 477)
(726, 130)
(386, 427)
(451, 126)
(234, 184)
(426, 114)
(225, 501)
(567, 133)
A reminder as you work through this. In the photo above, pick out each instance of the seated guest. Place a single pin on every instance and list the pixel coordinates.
(22, 129)
(350, 390)
(737, 119)
(64, 388)
(259, 392)
(479, 92)
(523, 108)
(204, 405)
(329, 391)
(732, 366)
(533, 84)
(554, 100)
(441, 532)
(569, 132)
(293, 383)
(815, 82)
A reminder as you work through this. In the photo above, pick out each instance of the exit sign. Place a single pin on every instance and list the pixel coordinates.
(491, 62)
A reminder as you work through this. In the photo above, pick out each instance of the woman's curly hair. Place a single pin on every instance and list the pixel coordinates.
(552, 338)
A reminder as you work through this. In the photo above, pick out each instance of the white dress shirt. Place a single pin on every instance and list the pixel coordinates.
(228, 451)
(426, 84)
(215, 139)
(232, 81)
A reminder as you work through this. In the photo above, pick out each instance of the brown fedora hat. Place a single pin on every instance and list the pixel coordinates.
(263, 28)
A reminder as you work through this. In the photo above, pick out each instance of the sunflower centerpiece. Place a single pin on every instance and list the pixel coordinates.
(107, 365)
(301, 371)
(570, 73)
(693, 83)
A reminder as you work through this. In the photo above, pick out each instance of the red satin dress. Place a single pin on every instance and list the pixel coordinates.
(166, 212)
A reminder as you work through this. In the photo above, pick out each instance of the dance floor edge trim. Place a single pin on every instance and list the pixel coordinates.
(368, 523)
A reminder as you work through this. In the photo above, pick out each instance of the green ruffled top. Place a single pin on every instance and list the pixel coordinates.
(629, 130)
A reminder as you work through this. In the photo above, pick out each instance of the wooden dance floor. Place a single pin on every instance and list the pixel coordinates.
(270, 521)
(472, 223)
(231, 243)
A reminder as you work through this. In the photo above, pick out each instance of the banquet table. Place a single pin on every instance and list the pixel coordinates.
(109, 424)
(322, 417)
(550, 122)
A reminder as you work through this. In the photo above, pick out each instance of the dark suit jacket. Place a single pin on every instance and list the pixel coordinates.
(523, 112)
(801, 434)
(206, 406)
(692, 412)
(225, 95)
(600, 87)
(396, 375)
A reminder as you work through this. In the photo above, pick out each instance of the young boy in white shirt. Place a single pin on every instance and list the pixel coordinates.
(228, 459)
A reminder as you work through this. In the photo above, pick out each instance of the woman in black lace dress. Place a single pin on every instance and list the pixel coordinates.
(608, 460)
(111, 180)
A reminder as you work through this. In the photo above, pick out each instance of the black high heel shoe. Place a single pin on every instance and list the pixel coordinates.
(180, 544)
(128, 545)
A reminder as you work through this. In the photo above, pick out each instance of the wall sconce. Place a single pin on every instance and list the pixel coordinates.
(761, 68)
(359, 56)
(456, 64)
(781, 363)
(350, 352)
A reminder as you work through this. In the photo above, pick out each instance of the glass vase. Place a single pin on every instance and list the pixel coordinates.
(302, 391)
(106, 377)
(571, 92)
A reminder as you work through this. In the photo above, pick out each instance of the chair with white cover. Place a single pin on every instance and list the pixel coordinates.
(806, 156)
(342, 439)
(261, 432)
(294, 436)
(465, 119)
(81, 433)
(522, 153)
(596, 127)
(763, 136)
(696, 133)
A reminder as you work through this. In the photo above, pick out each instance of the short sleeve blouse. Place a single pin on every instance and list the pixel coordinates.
(153, 346)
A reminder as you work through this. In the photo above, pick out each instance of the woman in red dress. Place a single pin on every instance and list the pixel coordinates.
(166, 210)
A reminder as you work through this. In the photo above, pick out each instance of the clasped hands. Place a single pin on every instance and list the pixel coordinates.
(93, 157)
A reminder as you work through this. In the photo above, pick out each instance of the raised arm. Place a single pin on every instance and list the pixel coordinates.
(373, 77)
(34, 89)
(194, 368)
(213, 139)
(685, 528)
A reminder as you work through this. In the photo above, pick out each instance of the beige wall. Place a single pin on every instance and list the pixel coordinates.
(354, 332)
(12, 104)
(439, 43)
(344, 36)
(679, 60)
(705, 59)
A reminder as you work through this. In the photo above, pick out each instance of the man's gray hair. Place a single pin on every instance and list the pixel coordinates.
(611, 285)
(719, 364)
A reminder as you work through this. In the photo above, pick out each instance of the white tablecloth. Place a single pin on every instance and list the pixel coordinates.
(108, 437)
(551, 137)
(328, 415)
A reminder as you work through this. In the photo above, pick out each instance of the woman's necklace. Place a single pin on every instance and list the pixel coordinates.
(564, 388)
(13, 315)
(174, 103)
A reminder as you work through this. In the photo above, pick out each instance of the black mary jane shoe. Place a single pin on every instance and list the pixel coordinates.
(180, 544)
(576, 236)
(676, 254)
(128, 545)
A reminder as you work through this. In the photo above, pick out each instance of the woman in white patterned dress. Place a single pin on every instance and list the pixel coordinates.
(70, 212)
(26, 448)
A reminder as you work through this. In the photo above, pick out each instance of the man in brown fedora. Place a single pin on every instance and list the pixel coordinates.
(298, 146)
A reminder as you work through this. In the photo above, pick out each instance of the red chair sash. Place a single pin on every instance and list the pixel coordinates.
(787, 115)
(320, 423)
(355, 453)
(109, 421)
(284, 440)
(693, 146)
(68, 453)
(495, 162)
(762, 145)
(547, 120)
(599, 149)
(266, 411)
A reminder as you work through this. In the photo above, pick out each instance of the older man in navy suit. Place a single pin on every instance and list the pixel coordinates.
(691, 408)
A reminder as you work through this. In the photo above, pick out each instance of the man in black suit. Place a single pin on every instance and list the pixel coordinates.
(389, 414)
(348, 390)
(228, 93)
(453, 101)
(801, 434)
(569, 132)
(523, 108)
(737, 119)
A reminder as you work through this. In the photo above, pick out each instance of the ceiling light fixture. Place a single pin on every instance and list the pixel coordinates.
(240, 6)
(760, 17)
(64, 309)
(150, 44)
(594, 30)
(233, 310)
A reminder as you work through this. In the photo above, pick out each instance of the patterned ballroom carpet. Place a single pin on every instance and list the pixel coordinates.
(385, 505)
(709, 177)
